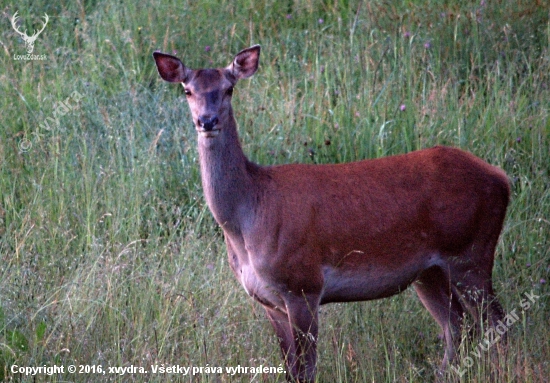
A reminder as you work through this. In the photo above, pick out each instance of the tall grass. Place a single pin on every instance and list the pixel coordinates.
(109, 254)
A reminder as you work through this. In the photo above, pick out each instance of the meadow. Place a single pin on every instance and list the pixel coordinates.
(109, 256)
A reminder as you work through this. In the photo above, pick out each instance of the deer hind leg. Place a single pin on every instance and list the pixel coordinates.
(476, 289)
(472, 269)
(471, 275)
(437, 294)
(297, 332)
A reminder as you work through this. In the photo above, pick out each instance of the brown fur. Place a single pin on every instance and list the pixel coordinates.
(299, 236)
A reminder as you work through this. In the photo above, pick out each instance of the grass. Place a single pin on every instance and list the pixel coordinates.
(109, 254)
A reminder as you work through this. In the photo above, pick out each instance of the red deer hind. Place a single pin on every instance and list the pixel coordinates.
(299, 236)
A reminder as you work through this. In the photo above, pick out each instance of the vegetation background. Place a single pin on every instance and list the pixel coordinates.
(109, 255)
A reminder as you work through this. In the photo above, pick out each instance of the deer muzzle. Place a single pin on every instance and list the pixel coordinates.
(208, 126)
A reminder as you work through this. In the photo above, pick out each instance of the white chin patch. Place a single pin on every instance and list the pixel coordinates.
(209, 134)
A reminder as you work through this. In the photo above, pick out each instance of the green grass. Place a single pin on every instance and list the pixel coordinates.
(109, 255)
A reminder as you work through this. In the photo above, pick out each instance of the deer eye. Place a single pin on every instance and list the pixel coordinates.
(229, 91)
(187, 92)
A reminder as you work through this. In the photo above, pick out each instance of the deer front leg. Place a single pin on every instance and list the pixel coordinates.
(297, 332)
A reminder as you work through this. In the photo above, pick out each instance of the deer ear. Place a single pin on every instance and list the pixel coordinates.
(245, 63)
(171, 68)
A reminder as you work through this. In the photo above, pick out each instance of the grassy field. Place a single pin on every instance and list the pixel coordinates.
(109, 255)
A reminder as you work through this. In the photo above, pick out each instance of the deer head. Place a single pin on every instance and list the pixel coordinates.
(29, 40)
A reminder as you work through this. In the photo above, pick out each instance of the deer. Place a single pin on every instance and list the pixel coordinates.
(299, 236)
(29, 40)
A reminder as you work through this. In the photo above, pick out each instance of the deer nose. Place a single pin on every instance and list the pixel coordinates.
(208, 123)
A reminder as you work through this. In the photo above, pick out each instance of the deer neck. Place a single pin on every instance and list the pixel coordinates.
(226, 178)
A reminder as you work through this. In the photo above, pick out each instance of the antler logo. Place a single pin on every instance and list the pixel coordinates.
(29, 40)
